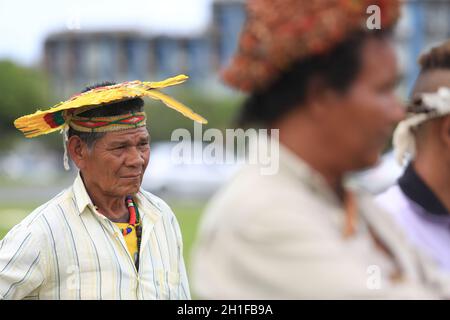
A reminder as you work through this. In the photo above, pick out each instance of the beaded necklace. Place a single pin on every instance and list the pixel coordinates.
(133, 222)
(134, 216)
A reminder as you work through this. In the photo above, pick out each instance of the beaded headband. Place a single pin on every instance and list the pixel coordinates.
(429, 106)
(107, 124)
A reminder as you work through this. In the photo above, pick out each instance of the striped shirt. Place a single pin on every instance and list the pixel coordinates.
(66, 249)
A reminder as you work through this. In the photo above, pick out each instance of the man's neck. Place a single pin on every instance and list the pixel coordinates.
(436, 175)
(304, 143)
(112, 207)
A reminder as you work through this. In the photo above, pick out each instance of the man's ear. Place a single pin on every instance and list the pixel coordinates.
(77, 150)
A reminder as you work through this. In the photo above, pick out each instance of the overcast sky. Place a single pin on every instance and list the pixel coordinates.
(25, 24)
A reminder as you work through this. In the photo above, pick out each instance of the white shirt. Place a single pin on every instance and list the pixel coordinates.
(425, 221)
(429, 232)
(66, 249)
(281, 237)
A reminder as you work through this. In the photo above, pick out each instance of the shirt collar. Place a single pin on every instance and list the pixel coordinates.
(308, 175)
(416, 190)
(82, 198)
(148, 207)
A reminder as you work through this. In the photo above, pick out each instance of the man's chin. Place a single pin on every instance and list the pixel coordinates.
(131, 188)
(368, 162)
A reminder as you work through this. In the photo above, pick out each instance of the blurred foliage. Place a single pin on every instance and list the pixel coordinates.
(23, 90)
(219, 110)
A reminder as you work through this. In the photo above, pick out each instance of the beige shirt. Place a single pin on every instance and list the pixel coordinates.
(281, 237)
(66, 249)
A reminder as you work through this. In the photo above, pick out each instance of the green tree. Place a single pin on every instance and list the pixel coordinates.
(23, 90)
(218, 110)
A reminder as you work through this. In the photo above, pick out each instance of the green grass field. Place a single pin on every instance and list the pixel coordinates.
(188, 215)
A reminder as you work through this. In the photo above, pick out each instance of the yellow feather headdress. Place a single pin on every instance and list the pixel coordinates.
(55, 118)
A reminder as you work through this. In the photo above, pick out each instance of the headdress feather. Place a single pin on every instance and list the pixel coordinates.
(55, 118)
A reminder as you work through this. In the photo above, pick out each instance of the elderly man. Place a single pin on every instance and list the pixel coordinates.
(104, 237)
(314, 71)
(420, 201)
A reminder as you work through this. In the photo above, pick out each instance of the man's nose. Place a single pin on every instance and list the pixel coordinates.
(134, 157)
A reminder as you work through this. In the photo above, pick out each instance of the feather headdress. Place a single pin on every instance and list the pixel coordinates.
(57, 117)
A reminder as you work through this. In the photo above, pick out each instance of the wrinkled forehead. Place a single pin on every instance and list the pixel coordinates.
(430, 81)
(127, 135)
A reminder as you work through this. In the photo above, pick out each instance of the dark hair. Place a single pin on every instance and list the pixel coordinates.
(112, 109)
(437, 58)
(336, 69)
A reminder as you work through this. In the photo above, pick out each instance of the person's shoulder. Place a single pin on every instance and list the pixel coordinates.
(251, 187)
(33, 225)
(392, 200)
(256, 199)
(166, 215)
(387, 209)
(39, 214)
(156, 202)
(391, 192)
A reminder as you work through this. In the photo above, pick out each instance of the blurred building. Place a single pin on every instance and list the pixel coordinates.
(75, 59)
(424, 23)
(227, 21)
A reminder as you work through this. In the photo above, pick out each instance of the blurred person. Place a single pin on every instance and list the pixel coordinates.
(420, 201)
(314, 71)
(104, 237)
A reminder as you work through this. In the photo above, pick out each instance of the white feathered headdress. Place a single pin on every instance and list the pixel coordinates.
(426, 107)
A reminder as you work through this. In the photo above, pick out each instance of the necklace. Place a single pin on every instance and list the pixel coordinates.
(351, 214)
(134, 216)
(133, 222)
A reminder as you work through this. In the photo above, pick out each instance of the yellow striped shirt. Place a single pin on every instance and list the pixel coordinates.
(66, 249)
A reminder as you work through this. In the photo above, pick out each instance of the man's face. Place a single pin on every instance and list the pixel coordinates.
(361, 121)
(117, 162)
